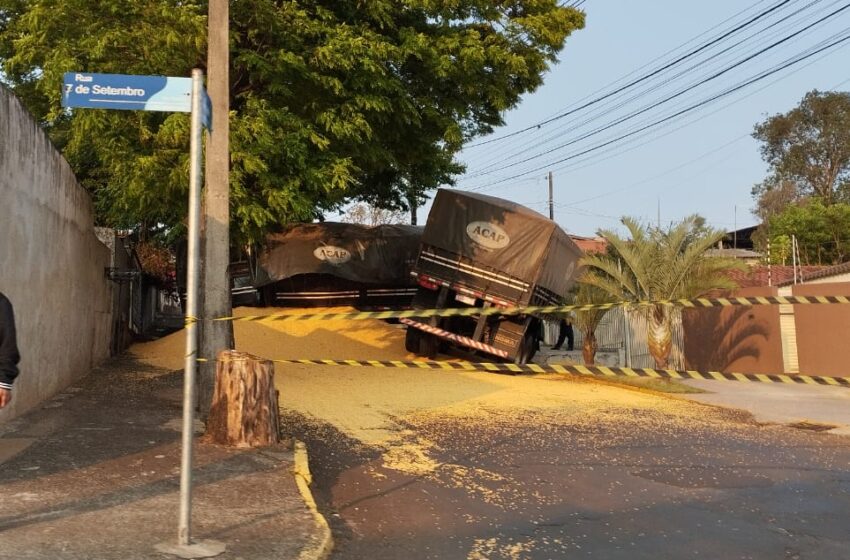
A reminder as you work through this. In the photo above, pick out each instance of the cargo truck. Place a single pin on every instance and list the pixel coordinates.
(483, 251)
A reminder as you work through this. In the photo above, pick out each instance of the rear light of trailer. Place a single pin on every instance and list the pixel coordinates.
(428, 284)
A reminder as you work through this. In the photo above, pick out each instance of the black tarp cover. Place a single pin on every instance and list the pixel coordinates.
(369, 254)
(503, 236)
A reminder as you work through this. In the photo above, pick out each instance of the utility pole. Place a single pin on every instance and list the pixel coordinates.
(735, 228)
(551, 198)
(217, 335)
(769, 269)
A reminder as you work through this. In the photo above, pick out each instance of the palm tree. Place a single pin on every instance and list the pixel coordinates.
(587, 321)
(657, 264)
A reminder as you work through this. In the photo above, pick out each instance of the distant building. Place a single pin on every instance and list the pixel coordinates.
(747, 255)
(776, 275)
(821, 275)
(739, 239)
(590, 244)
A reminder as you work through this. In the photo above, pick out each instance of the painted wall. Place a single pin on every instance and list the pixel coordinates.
(51, 263)
(822, 331)
(734, 339)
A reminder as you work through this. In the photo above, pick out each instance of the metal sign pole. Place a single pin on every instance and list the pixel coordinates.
(192, 279)
(185, 547)
(184, 95)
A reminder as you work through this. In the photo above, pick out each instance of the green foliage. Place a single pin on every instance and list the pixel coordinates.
(367, 215)
(822, 231)
(659, 264)
(780, 249)
(332, 100)
(588, 320)
(808, 148)
(772, 197)
(655, 263)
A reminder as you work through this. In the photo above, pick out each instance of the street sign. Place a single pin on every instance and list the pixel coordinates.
(183, 95)
(123, 91)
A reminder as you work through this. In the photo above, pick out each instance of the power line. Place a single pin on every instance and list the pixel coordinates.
(757, 78)
(643, 78)
(669, 97)
(573, 168)
(682, 165)
(582, 164)
(656, 59)
(502, 159)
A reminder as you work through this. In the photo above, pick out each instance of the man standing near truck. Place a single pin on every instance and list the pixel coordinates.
(9, 355)
(566, 332)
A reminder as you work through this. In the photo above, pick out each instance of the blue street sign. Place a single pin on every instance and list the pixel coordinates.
(122, 91)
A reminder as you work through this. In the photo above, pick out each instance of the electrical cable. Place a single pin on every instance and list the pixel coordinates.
(686, 110)
(670, 97)
(583, 164)
(643, 78)
(504, 158)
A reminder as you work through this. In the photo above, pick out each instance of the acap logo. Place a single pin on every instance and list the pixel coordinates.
(488, 235)
(332, 254)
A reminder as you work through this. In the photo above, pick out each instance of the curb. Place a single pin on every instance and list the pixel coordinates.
(322, 546)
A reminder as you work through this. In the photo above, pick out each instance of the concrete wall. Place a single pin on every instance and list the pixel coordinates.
(822, 331)
(734, 339)
(51, 263)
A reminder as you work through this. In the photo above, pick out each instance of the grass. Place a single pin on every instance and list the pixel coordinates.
(653, 384)
(647, 383)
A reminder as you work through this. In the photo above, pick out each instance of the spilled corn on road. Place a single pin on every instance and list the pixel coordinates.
(467, 465)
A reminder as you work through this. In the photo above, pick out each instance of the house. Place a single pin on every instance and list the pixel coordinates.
(759, 275)
(739, 239)
(746, 255)
(820, 275)
(590, 244)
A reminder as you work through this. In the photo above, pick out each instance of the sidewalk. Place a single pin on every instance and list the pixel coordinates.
(94, 474)
(780, 403)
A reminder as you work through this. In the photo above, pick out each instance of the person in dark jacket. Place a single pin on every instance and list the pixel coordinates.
(565, 332)
(9, 356)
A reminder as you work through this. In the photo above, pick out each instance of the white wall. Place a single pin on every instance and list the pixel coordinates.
(51, 263)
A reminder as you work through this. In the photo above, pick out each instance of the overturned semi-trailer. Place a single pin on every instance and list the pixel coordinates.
(481, 251)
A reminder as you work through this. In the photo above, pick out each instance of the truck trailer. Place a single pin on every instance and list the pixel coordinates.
(483, 251)
(330, 264)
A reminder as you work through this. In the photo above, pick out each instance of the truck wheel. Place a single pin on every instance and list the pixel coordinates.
(428, 345)
(411, 340)
(526, 351)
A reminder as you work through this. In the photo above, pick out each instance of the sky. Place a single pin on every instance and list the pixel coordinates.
(704, 161)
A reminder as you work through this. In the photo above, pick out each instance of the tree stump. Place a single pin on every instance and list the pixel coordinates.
(244, 411)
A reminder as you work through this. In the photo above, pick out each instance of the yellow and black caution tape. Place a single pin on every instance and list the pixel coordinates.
(544, 310)
(793, 379)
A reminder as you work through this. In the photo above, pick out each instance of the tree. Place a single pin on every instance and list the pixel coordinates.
(773, 197)
(368, 215)
(588, 320)
(822, 232)
(809, 148)
(780, 249)
(331, 100)
(658, 264)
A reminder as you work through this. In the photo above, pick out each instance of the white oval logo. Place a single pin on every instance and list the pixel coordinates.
(332, 254)
(488, 235)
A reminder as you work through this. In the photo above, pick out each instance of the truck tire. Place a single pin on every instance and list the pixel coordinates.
(429, 345)
(527, 349)
(411, 340)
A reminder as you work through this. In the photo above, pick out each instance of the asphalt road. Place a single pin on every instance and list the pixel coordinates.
(607, 484)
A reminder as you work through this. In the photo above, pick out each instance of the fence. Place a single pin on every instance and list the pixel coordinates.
(611, 336)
